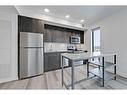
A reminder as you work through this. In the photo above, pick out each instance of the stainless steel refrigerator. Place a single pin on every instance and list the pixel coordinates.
(30, 54)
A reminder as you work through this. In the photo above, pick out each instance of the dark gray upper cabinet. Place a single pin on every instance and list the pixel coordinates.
(61, 34)
(37, 25)
(24, 24)
(53, 34)
(27, 24)
(67, 37)
(82, 37)
(48, 35)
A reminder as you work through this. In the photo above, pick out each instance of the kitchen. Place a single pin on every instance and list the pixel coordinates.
(42, 42)
(56, 40)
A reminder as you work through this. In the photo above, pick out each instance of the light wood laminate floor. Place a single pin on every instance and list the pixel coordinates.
(52, 80)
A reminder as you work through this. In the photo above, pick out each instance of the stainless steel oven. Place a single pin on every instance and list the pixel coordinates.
(75, 40)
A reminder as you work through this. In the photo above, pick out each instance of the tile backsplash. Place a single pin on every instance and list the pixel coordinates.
(80, 47)
(55, 47)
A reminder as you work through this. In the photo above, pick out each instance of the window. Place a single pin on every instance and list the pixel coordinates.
(96, 39)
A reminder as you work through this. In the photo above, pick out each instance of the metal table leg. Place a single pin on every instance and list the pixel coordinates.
(87, 69)
(72, 75)
(103, 71)
(115, 67)
(62, 71)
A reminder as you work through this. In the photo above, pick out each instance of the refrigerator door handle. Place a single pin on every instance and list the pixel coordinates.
(32, 47)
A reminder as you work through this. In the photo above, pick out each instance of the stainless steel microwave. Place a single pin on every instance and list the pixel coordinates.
(75, 39)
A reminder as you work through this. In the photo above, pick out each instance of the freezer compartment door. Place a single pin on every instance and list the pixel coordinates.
(31, 62)
(31, 39)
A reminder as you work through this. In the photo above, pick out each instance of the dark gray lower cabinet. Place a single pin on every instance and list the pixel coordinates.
(51, 61)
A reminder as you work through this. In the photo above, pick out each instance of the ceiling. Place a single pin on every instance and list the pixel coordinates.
(90, 14)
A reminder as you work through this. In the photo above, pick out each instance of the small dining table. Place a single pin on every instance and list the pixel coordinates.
(75, 57)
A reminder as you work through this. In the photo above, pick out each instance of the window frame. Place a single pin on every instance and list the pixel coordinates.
(92, 38)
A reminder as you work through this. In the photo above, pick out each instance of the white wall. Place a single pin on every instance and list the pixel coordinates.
(8, 43)
(113, 38)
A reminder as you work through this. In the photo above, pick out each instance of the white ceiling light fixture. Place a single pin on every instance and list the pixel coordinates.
(46, 10)
(82, 20)
(67, 16)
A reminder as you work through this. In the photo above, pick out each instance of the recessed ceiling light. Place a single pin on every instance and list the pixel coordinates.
(82, 20)
(46, 10)
(67, 16)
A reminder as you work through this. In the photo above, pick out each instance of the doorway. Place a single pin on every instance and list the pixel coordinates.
(96, 39)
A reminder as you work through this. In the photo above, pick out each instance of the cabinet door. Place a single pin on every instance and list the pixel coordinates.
(38, 26)
(27, 24)
(82, 37)
(67, 37)
(58, 36)
(24, 24)
(52, 61)
(48, 35)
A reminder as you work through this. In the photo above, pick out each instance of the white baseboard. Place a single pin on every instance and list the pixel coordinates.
(3, 80)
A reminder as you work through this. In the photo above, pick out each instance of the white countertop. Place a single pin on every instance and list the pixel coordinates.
(83, 56)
